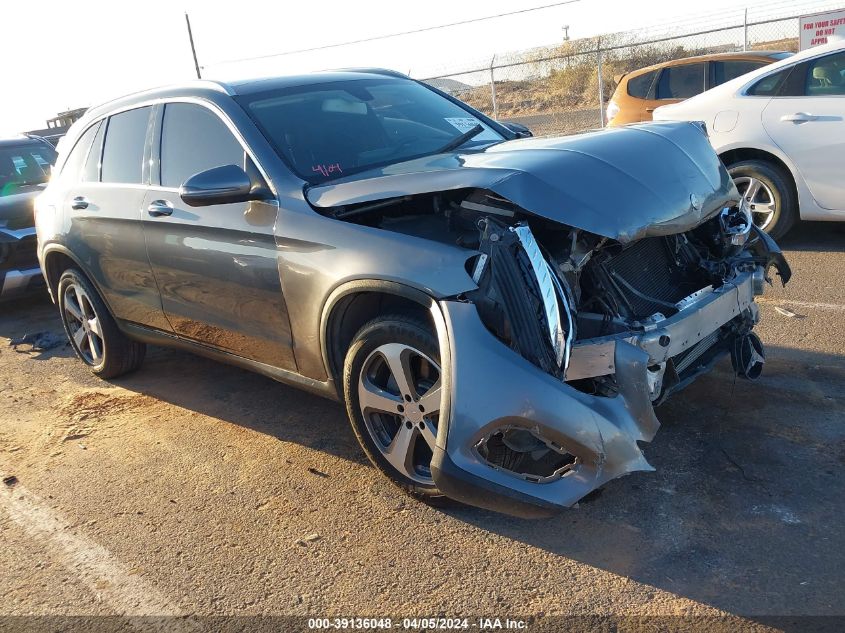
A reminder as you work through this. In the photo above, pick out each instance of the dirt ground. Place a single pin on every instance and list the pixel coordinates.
(192, 487)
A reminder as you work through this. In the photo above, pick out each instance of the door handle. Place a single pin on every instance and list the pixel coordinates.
(650, 109)
(799, 117)
(158, 208)
(79, 202)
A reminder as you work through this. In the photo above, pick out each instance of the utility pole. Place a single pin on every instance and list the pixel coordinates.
(193, 49)
(565, 32)
(601, 82)
(745, 31)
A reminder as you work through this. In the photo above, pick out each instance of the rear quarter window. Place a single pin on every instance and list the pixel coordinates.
(73, 166)
(640, 85)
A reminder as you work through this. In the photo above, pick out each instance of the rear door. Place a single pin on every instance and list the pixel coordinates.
(722, 71)
(806, 119)
(104, 187)
(216, 266)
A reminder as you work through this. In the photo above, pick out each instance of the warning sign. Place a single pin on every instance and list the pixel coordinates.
(821, 28)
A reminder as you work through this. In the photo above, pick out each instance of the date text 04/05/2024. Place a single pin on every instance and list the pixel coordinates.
(414, 624)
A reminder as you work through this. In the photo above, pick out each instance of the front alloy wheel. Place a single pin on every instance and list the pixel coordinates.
(761, 200)
(393, 389)
(399, 398)
(770, 194)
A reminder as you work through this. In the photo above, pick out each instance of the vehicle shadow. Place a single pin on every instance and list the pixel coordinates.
(247, 399)
(745, 511)
(815, 237)
(33, 317)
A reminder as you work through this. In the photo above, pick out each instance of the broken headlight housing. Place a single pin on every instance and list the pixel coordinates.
(735, 223)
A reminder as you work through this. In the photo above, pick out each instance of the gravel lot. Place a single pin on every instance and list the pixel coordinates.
(196, 488)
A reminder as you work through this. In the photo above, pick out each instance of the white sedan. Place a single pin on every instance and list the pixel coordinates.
(780, 130)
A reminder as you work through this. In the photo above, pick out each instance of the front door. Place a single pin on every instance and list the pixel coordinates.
(807, 121)
(216, 266)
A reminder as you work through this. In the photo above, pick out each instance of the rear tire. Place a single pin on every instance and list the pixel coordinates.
(395, 419)
(769, 192)
(91, 330)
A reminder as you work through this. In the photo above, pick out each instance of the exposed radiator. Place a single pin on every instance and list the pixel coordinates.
(649, 278)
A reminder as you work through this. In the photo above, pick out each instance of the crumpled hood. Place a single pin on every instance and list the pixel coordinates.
(623, 183)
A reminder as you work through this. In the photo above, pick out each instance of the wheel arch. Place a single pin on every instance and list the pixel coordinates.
(351, 305)
(735, 155)
(56, 260)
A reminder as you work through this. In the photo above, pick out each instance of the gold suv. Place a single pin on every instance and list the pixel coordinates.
(639, 92)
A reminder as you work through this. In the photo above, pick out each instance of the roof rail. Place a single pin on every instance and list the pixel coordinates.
(376, 71)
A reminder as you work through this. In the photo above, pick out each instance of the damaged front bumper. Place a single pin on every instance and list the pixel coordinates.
(502, 390)
(19, 269)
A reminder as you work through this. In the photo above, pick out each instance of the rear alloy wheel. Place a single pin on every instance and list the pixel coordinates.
(392, 382)
(769, 193)
(83, 324)
(91, 330)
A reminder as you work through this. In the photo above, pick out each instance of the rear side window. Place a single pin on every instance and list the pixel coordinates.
(194, 139)
(769, 85)
(727, 70)
(681, 82)
(640, 85)
(123, 154)
(72, 169)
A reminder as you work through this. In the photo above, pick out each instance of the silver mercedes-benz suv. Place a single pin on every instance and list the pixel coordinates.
(499, 314)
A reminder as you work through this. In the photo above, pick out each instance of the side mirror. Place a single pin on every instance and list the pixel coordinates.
(219, 185)
(517, 128)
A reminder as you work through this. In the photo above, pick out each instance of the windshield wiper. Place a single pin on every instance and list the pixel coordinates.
(463, 138)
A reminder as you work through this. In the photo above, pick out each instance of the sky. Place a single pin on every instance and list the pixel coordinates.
(58, 55)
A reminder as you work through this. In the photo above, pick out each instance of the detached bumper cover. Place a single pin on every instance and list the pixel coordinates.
(498, 388)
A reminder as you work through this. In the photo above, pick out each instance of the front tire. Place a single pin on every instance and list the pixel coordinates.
(768, 190)
(392, 386)
(92, 331)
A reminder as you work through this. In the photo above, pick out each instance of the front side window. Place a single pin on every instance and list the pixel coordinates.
(24, 165)
(731, 69)
(826, 76)
(194, 139)
(123, 154)
(681, 82)
(330, 130)
(640, 85)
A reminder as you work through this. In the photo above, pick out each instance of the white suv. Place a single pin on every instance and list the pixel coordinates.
(780, 130)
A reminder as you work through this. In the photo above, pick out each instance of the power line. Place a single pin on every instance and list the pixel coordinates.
(391, 35)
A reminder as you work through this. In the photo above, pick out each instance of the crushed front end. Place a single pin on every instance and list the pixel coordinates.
(606, 272)
(571, 339)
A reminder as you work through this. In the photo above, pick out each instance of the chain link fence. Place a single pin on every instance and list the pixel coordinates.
(564, 89)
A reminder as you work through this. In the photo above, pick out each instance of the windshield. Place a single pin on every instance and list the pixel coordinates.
(24, 165)
(331, 130)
